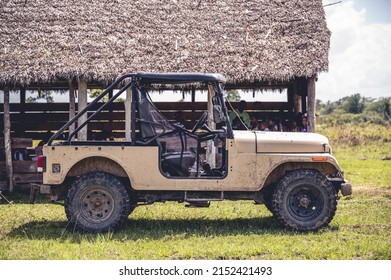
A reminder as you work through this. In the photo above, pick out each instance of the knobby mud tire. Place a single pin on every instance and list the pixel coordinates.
(304, 200)
(268, 197)
(97, 202)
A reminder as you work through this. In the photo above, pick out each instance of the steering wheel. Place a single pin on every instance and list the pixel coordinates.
(200, 122)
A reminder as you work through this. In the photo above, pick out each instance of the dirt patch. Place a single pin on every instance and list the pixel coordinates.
(372, 191)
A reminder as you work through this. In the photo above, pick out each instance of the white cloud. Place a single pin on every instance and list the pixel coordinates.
(360, 55)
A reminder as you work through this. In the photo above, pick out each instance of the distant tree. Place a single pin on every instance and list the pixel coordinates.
(233, 95)
(381, 107)
(330, 106)
(387, 111)
(96, 92)
(319, 105)
(45, 95)
(325, 108)
(353, 104)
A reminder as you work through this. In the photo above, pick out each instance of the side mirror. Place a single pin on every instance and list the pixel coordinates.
(218, 114)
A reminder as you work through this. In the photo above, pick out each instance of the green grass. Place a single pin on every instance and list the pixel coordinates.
(363, 166)
(361, 228)
(361, 150)
(227, 230)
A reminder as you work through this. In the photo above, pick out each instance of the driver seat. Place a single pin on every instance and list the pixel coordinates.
(178, 163)
(176, 159)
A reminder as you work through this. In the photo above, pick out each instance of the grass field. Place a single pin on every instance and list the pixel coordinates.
(361, 228)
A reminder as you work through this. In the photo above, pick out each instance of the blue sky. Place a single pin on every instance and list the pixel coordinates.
(377, 11)
(360, 51)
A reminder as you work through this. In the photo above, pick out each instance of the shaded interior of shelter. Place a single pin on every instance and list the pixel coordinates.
(38, 120)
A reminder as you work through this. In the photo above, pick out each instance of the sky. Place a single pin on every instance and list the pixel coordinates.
(360, 50)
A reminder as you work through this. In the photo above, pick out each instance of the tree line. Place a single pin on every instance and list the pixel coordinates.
(355, 109)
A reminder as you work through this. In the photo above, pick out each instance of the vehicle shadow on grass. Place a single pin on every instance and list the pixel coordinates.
(21, 196)
(152, 229)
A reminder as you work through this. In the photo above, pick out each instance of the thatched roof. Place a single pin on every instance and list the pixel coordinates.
(247, 41)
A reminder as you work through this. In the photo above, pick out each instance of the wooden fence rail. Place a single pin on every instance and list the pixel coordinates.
(39, 120)
(33, 120)
(24, 167)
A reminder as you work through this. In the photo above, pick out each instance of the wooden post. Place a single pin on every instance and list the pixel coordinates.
(7, 140)
(111, 93)
(311, 103)
(291, 99)
(193, 93)
(296, 99)
(128, 115)
(21, 130)
(82, 103)
(72, 104)
(210, 148)
(304, 103)
(22, 99)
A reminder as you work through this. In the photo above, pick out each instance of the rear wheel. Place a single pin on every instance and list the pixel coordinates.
(304, 200)
(97, 202)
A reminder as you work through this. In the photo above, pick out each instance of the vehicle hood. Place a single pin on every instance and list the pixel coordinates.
(280, 142)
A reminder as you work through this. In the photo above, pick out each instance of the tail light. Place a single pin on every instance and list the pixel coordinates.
(41, 164)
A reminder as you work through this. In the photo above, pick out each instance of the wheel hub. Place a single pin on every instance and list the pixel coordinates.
(304, 201)
(97, 204)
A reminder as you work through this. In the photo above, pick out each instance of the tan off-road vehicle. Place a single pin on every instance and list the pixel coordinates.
(102, 182)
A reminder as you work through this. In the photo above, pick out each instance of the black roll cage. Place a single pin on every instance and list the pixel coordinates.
(141, 79)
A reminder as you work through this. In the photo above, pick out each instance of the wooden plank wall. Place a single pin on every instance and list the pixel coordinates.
(33, 120)
(25, 171)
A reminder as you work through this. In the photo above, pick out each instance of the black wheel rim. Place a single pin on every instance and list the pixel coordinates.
(305, 202)
(96, 205)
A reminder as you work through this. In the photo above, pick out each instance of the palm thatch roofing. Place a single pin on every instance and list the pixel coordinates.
(247, 41)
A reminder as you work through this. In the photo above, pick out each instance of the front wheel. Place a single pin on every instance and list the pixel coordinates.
(97, 202)
(304, 200)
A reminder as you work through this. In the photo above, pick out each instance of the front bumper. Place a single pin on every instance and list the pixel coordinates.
(341, 184)
(346, 188)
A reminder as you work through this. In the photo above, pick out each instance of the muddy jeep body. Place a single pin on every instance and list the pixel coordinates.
(101, 182)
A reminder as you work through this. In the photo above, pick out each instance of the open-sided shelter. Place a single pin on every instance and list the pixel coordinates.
(255, 44)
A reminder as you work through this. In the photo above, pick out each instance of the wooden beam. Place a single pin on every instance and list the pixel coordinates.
(23, 96)
(210, 148)
(20, 132)
(311, 103)
(304, 103)
(18, 143)
(82, 103)
(119, 106)
(111, 93)
(7, 140)
(28, 178)
(296, 99)
(19, 166)
(72, 104)
(291, 98)
(128, 115)
(193, 93)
